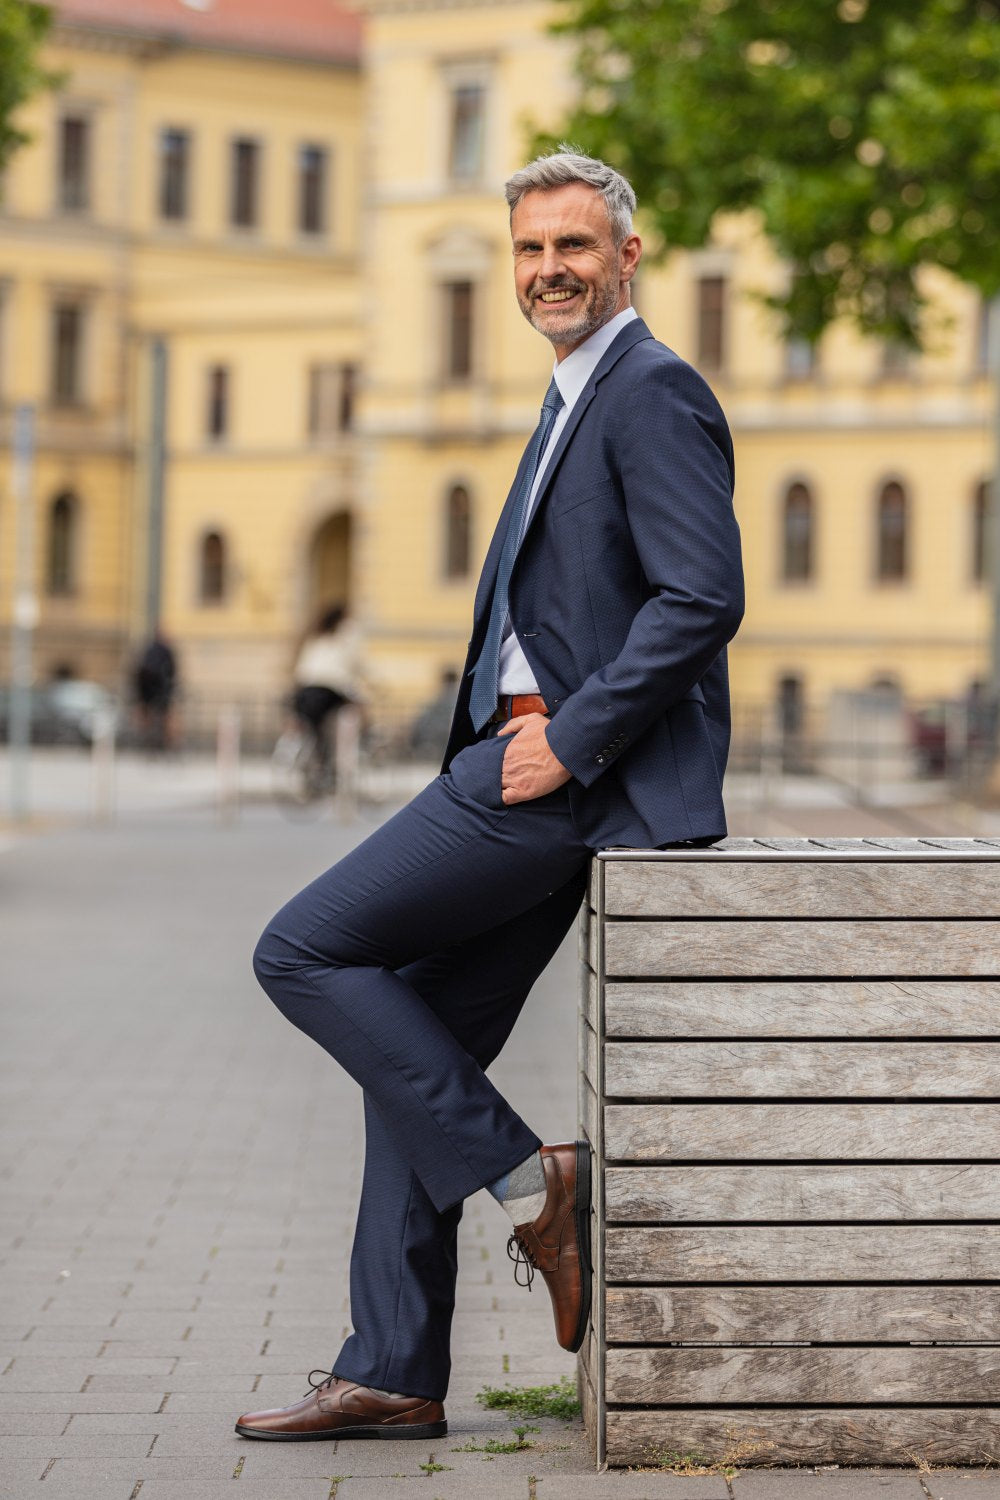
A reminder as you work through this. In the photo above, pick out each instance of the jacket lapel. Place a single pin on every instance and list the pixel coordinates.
(632, 333)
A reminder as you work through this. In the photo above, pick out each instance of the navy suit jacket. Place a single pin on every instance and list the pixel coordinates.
(627, 586)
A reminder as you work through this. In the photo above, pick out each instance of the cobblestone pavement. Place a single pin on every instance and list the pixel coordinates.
(180, 1172)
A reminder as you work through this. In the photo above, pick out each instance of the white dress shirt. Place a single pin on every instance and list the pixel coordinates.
(571, 375)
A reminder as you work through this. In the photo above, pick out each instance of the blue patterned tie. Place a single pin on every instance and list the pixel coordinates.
(483, 700)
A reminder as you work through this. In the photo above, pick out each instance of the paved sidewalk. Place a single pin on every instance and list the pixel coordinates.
(180, 1175)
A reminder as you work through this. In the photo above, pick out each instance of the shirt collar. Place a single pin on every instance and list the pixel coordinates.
(572, 373)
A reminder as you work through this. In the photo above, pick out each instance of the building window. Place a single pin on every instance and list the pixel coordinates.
(67, 353)
(312, 189)
(897, 359)
(212, 568)
(458, 323)
(466, 133)
(245, 182)
(892, 538)
(711, 321)
(800, 358)
(797, 537)
(981, 507)
(217, 414)
(74, 163)
(63, 539)
(332, 390)
(457, 532)
(174, 157)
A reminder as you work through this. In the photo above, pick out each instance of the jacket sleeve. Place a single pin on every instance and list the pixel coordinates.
(676, 464)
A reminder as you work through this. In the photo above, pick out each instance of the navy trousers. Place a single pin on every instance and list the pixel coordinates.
(409, 961)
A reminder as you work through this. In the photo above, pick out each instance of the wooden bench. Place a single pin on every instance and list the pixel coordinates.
(790, 1077)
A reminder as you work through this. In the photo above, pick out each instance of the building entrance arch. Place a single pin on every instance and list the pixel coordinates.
(330, 563)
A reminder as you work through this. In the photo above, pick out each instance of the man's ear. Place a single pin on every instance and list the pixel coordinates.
(631, 254)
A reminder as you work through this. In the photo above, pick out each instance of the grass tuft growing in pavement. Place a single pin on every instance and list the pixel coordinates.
(494, 1445)
(558, 1400)
(742, 1448)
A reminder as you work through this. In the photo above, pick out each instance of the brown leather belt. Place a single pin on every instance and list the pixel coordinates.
(513, 705)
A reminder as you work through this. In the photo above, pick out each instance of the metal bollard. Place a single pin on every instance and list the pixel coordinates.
(347, 759)
(102, 766)
(227, 761)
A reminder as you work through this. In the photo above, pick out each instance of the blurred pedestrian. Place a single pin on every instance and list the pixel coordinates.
(328, 676)
(154, 684)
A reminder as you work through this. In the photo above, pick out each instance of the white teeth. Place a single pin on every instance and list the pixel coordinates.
(561, 296)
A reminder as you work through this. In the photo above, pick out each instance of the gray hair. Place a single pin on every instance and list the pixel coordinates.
(569, 165)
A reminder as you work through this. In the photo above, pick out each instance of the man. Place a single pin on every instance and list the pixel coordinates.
(593, 712)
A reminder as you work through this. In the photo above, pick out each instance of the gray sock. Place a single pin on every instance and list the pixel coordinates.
(525, 1191)
(392, 1395)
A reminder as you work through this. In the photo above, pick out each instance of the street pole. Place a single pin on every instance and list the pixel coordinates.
(25, 612)
(157, 442)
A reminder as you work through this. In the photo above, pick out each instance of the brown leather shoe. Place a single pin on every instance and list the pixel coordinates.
(342, 1409)
(558, 1242)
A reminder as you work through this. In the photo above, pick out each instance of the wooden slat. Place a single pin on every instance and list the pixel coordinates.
(808, 1008)
(588, 1053)
(755, 889)
(872, 949)
(797, 1193)
(795, 1252)
(789, 1314)
(588, 1113)
(588, 996)
(804, 1435)
(661, 1376)
(832, 1070)
(801, 1132)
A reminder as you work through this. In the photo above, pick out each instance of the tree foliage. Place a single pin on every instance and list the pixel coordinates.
(23, 26)
(866, 133)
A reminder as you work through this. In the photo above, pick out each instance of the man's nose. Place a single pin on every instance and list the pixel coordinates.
(552, 262)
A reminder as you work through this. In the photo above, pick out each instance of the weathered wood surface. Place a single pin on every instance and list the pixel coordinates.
(797, 1252)
(804, 1435)
(800, 1193)
(803, 947)
(801, 1132)
(887, 1008)
(803, 1069)
(589, 1114)
(588, 1053)
(662, 1376)
(789, 1314)
(755, 889)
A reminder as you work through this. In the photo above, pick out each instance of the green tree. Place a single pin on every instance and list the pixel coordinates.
(865, 135)
(23, 26)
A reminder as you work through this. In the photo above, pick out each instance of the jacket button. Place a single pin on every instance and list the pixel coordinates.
(600, 759)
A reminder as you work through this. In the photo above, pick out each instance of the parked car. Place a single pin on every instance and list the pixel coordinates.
(64, 712)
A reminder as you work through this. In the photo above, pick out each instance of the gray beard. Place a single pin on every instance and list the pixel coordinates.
(590, 320)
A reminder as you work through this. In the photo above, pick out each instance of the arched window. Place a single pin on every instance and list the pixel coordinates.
(457, 532)
(63, 545)
(212, 568)
(797, 535)
(981, 501)
(892, 548)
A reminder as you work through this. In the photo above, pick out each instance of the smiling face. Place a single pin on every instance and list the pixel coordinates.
(569, 275)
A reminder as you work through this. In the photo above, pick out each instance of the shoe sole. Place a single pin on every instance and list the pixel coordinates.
(581, 1210)
(395, 1434)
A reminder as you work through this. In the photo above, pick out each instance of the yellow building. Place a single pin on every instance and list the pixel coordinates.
(178, 262)
(223, 232)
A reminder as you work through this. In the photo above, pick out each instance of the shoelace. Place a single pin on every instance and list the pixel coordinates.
(317, 1385)
(518, 1252)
